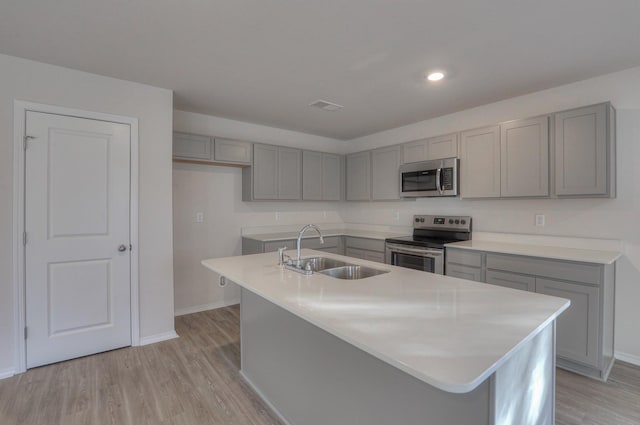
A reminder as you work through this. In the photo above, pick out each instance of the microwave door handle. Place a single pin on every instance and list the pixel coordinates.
(438, 185)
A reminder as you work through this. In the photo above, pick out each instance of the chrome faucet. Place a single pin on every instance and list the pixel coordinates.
(304, 229)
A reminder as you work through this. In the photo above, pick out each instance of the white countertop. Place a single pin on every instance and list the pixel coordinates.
(450, 333)
(370, 234)
(543, 251)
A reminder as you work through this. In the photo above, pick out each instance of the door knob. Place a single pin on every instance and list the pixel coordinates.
(122, 248)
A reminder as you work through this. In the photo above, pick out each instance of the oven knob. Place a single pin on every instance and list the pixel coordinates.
(422, 220)
(457, 221)
(463, 222)
(417, 220)
(450, 221)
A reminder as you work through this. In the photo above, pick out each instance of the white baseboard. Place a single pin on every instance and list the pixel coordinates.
(7, 373)
(205, 307)
(629, 358)
(152, 339)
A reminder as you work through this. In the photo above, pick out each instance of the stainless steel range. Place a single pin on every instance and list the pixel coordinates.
(425, 249)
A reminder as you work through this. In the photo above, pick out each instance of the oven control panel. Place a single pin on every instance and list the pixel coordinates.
(445, 222)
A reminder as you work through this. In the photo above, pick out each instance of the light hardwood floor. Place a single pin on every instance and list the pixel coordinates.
(194, 380)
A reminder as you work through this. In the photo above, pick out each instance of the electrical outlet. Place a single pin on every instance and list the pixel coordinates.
(540, 220)
(277, 216)
(199, 217)
(396, 216)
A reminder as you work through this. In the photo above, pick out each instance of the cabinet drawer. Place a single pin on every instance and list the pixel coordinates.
(464, 272)
(557, 269)
(332, 250)
(274, 245)
(378, 257)
(511, 280)
(355, 253)
(314, 243)
(464, 257)
(226, 150)
(364, 243)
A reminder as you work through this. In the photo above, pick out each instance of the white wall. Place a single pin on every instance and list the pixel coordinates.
(36, 82)
(592, 218)
(217, 192)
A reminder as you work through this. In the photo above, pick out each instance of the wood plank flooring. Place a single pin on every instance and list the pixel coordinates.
(194, 380)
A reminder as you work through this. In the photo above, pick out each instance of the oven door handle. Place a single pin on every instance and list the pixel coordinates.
(420, 252)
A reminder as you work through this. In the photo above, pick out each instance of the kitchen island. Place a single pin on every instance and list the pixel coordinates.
(403, 347)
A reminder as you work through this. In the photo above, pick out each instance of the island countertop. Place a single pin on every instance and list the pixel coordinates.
(450, 333)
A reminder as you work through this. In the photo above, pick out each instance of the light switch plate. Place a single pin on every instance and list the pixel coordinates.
(199, 217)
(540, 220)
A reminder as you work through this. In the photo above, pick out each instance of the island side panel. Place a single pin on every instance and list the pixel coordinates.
(314, 378)
(524, 387)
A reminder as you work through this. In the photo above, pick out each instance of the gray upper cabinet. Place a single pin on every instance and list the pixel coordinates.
(289, 170)
(320, 176)
(265, 172)
(385, 174)
(524, 157)
(432, 148)
(191, 146)
(232, 151)
(276, 174)
(585, 151)
(359, 176)
(480, 163)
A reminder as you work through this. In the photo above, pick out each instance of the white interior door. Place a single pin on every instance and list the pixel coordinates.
(77, 256)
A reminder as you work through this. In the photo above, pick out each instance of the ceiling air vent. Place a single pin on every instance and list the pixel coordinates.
(326, 106)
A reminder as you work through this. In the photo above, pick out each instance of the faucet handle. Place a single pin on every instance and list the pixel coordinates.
(281, 255)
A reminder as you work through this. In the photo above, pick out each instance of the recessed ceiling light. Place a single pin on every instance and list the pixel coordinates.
(435, 76)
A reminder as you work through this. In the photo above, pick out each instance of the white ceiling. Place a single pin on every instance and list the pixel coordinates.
(264, 61)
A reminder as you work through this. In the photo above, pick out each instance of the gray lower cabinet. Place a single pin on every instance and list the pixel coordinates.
(577, 329)
(585, 333)
(524, 158)
(276, 174)
(332, 244)
(385, 173)
(432, 148)
(359, 176)
(320, 176)
(480, 163)
(585, 152)
(364, 248)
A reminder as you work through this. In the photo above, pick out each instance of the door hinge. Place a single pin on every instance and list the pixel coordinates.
(25, 140)
(24, 238)
(25, 332)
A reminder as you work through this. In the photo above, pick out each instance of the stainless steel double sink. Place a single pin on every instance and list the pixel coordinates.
(338, 268)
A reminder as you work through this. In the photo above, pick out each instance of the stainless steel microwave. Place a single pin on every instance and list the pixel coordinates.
(438, 177)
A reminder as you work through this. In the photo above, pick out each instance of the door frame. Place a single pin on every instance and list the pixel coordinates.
(20, 109)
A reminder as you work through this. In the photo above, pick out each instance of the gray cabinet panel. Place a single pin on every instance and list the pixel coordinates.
(314, 243)
(274, 245)
(480, 163)
(557, 269)
(365, 243)
(578, 327)
(445, 146)
(378, 257)
(582, 151)
(312, 176)
(359, 176)
(525, 157)
(385, 174)
(467, 258)
(464, 272)
(331, 172)
(355, 253)
(289, 173)
(191, 146)
(265, 172)
(511, 280)
(234, 151)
